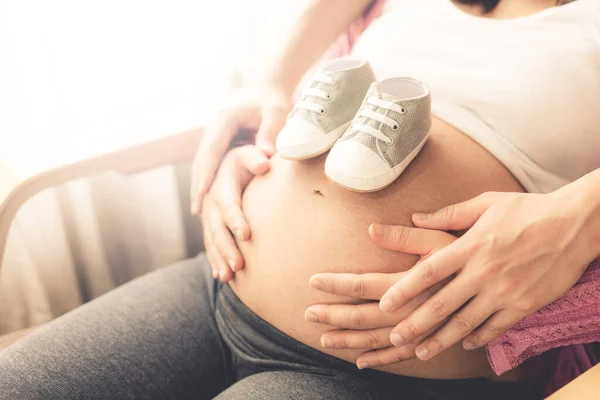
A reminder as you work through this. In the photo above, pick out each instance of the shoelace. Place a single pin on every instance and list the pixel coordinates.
(314, 92)
(382, 118)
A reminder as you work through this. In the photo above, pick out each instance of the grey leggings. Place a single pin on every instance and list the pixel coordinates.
(178, 334)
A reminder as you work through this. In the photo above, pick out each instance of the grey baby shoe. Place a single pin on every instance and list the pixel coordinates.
(387, 133)
(325, 108)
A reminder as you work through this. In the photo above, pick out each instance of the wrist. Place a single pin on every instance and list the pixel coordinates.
(584, 196)
(591, 203)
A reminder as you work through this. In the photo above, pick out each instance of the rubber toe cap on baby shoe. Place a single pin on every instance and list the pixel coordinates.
(299, 138)
(352, 159)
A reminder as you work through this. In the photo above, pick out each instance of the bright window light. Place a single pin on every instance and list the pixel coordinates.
(79, 76)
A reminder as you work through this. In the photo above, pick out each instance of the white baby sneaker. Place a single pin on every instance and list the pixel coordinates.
(325, 109)
(387, 133)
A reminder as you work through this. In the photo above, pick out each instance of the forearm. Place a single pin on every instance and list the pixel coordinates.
(321, 22)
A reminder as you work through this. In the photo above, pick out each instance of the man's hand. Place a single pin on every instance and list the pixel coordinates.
(222, 214)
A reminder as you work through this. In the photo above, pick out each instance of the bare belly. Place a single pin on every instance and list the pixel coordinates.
(297, 233)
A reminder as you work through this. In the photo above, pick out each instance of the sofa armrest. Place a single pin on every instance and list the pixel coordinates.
(168, 150)
(584, 387)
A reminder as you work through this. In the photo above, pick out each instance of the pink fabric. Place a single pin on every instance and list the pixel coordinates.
(571, 321)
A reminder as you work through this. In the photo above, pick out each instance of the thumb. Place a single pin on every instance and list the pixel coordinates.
(253, 160)
(458, 216)
(272, 122)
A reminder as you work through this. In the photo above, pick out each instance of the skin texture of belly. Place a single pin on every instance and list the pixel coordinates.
(303, 224)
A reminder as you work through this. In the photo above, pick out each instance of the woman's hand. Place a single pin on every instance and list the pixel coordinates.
(222, 212)
(258, 115)
(523, 251)
(365, 326)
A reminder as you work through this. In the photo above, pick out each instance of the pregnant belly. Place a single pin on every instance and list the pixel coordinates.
(303, 224)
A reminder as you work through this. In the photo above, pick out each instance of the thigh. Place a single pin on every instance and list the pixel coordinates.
(154, 337)
(279, 385)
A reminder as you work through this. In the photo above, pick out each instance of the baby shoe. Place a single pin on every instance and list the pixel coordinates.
(325, 109)
(387, 133)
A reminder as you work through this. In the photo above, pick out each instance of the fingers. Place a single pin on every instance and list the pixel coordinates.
(237, 170)
(439, 307)
(266, 121)
(253, 159)
(365, 339)
(409, 240)
(461, 324)
(199, 190)
(363, 286)
(362, 316)
(228, 256)
(273, 120)
(223, 212)
(218, 265)
(459, 216)
(499, 323)
(350, 316)
(211, 254)
(387, 356)
(213, 146)
(424, 274)
(392, 355)
(233, 217)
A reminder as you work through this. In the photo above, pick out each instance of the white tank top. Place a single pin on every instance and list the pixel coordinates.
(526, 89)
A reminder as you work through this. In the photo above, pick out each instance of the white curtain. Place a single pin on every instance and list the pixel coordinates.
(79, 78)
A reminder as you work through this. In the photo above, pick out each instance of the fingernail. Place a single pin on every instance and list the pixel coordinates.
(316, 283)
(396, 339)
(310, 316)
(420, 216)
(468, 345)
(386, 305)
(215, 274)
(326, 341)
(260, 162)
(239, 234)
(362, 365)
(231, 263)
(379, 230)
(267, 148)
(422, 353)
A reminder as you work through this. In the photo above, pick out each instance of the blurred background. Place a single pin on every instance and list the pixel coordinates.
(80, 78)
